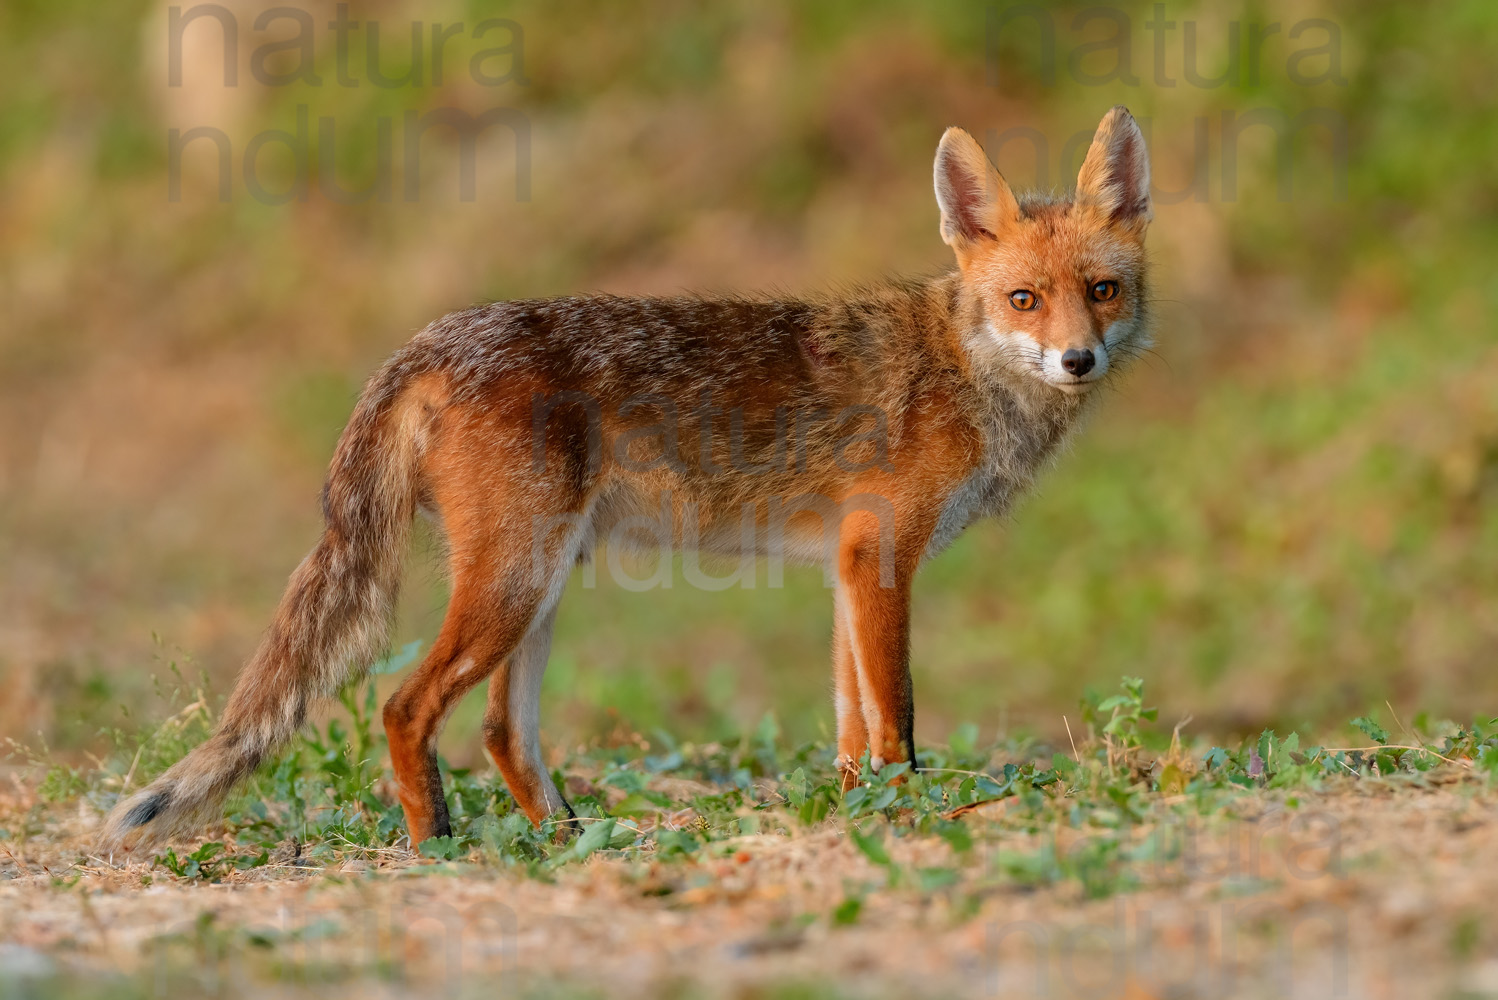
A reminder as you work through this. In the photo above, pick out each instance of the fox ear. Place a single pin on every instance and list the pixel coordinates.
(976, 203)
(1115, 177)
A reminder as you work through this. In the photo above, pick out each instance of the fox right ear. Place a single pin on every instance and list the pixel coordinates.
(976, 203)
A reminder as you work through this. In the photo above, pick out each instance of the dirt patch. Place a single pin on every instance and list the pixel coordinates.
(1363, 887)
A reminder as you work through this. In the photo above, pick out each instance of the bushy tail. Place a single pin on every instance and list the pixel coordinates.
(332, 621)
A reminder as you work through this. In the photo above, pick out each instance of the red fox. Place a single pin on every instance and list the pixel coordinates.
(863, 431)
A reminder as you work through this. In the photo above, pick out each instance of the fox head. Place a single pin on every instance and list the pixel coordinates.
(1061, 282)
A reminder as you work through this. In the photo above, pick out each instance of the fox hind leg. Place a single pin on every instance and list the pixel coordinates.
(499, 599)
(477, 634)
(512, 728)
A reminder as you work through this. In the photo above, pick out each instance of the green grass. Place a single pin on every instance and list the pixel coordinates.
(328, 796)
(1127, 807)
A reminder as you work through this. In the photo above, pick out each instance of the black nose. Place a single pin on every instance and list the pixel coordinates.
(1077, 362)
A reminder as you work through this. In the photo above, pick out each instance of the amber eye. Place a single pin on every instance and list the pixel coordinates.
(1102, 291)
(1023, 299)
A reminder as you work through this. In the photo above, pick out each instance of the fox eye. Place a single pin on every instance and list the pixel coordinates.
(1023, 299)
(1102, 291)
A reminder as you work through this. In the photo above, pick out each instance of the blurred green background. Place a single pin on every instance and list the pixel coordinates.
(1289, 514)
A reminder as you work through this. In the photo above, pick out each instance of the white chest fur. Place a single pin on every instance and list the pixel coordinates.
(1018, 440)
(973, 498)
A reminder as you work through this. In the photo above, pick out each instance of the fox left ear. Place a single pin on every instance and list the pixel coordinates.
(1115, 177)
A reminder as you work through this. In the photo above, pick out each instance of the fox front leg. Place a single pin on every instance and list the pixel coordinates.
(852, 733)
(873, 608)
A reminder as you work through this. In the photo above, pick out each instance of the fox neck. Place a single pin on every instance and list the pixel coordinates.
(1024, 420)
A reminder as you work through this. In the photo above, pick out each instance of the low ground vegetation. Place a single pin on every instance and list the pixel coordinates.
(1005, 863)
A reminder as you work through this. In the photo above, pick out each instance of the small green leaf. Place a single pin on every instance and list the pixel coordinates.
(396, 662)
(767, 733)
(1266, 746)
(964, 740)
(441, 848)
(1373, 730)
(207, 852)
(871, 846)
(816, 807)
(596, 837)
(932, 879)
(987, 788)
(889, 772)
(957, 836)
(670, 843)
(796, 787)
(847, 911)
(636, 804)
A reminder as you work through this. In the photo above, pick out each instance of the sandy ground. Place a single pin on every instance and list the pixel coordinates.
(1371, 888)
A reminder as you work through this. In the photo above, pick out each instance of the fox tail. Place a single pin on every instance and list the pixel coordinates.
(331, 623)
